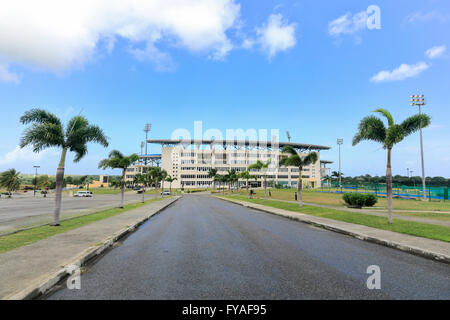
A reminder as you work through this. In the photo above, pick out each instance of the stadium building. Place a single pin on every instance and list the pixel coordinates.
(189, 161)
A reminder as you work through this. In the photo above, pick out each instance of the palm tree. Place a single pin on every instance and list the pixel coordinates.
(223, 180)
(295, 160)
(262, 167)
(230, 178)
(116, 160)
(170, 179)
(142, 180)
(47, 131)
(10, 180)
(246, 175)
(157, 174)
(212, 173)
(373, 128)
(115, 182)
(163, 176)
(218, 178)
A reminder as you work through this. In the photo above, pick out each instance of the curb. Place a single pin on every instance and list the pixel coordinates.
(43, 286)
(361, 236)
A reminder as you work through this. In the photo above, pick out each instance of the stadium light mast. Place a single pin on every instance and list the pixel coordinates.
(340, 142)
(419, 100)
(147, 128)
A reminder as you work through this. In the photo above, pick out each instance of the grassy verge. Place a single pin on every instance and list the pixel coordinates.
(418, 229)
(97, 190)
(32, 235)
(335, 199)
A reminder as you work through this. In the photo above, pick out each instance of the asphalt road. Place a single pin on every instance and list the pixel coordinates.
(24, 210)
(205, 248)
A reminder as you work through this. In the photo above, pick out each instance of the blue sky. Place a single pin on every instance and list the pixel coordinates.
(310, 67)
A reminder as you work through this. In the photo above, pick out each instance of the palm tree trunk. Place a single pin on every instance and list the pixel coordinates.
(265, 188)
(300, 188)
(246, 187)
(122, 188)
(170, 187)
(162, 188)
(58, 187)
(143, 193)
(389, 185)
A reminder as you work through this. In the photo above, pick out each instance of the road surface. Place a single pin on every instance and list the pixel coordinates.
(205, 248)
(22, 211)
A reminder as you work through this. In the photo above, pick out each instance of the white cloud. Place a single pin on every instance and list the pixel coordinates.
(427, 16)
(19, 156)
(435, 52)
(8, 76)
(348, 24)
(277, 35)
(59, 35)
(402, 72)
(162, 61)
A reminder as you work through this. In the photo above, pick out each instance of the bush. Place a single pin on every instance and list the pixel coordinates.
(371, 199)
(359, 199)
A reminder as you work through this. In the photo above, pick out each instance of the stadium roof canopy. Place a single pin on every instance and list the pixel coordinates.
(238, 143)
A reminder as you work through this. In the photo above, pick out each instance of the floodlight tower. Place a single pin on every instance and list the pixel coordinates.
(419, 100)
(147, 128)
(340, 142)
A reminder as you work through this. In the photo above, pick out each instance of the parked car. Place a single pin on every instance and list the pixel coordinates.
(165, 193)
(83, 194)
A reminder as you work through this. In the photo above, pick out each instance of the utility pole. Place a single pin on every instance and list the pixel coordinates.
(419, 100)
(35, 180)
(339, 142)
(147, 128)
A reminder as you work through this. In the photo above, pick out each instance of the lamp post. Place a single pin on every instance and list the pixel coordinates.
(339, 142)
(35, 179)
(147, 128)
(419, 100)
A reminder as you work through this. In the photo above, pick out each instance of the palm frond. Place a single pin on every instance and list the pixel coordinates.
(80, 151)
(39, 116)
(288, 149)
(115, 154)
(42, 135)
(414, 123)
(387, 115)
(370, 128)
(394, 135)
(311, 158)
(75, 124)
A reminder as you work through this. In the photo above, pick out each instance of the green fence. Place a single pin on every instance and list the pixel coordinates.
(398, 191)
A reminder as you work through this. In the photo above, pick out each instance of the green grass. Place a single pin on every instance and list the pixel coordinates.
(335, 199)
(418, 229)
(32, 235)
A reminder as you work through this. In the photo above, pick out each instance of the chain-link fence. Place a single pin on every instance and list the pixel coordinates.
(398, 191)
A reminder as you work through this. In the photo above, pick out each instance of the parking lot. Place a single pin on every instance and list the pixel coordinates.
(24, 210)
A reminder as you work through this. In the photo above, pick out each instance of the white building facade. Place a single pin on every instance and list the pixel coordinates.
(189, 161)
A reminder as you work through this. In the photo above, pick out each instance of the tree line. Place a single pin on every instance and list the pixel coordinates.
(397, 179)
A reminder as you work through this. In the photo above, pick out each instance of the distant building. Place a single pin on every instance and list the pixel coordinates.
(190, 160)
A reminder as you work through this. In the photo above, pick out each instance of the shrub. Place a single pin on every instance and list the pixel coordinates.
(359, 199)
(371, 199)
